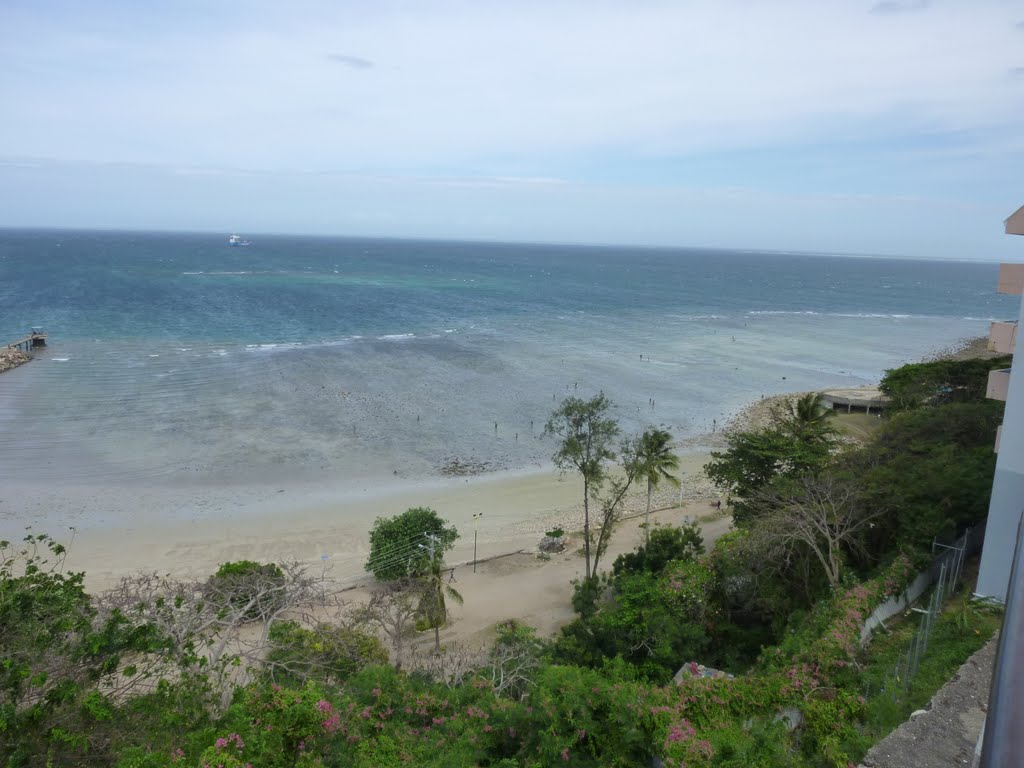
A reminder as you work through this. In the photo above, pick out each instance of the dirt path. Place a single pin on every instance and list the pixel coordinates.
(539, 592)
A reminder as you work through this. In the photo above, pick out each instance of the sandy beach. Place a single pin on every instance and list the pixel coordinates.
(202, 529)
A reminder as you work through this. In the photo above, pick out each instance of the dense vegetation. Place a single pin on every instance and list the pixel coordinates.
(400, 546)
(263, 665)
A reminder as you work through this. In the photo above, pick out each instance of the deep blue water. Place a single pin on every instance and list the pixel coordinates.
(175, 357)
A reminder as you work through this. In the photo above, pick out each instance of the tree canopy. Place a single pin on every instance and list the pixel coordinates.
(754, 459)
(939, 382)
(931, 468)
(400, 545)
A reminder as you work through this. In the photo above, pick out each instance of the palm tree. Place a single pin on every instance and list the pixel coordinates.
(656, 461)
(811, 416)
(435, 590)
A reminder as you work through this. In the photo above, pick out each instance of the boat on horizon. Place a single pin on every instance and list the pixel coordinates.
(237, 240)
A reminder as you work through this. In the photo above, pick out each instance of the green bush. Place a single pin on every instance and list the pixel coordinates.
(399, 545)
(256, 588)
(327, 653)
(931, 469)
(59, 660)
(665, 544)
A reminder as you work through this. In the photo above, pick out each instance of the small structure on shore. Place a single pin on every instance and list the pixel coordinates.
(850, 399)
(19, 352)
(35, 338)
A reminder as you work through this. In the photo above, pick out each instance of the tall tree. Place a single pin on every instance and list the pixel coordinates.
(392, 609)
(586, 432)
(435, 590)
(657, 462)
(822, 513)
(754, 459)
(798, 440)
(610, 502)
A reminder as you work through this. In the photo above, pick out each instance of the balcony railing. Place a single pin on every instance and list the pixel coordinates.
(1003, 741)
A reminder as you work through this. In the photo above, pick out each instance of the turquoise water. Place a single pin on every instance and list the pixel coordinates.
(176, 359)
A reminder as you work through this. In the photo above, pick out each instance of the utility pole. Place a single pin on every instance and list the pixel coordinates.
(433, 538)
(476, 525)
(435, 586)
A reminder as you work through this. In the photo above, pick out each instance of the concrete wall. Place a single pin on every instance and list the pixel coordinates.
(971, 543)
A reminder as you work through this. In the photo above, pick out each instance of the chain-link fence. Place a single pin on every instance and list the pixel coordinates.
(947, 570)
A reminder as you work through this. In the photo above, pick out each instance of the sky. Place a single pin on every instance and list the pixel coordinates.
(835, 126)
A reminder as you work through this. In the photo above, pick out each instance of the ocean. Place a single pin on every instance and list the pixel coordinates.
(175, 360)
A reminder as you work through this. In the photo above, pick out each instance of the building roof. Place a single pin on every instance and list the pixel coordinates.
(1015, 224)
(858, 397)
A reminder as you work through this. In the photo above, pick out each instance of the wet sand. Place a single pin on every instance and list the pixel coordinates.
(190, 532)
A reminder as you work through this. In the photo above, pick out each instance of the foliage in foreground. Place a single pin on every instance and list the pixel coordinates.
(328, 698)
(59, 657)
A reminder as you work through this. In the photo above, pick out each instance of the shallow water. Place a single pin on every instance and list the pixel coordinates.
(178, 361)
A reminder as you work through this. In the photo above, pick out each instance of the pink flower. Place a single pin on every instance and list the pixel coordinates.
(323, 706)
(565, 754)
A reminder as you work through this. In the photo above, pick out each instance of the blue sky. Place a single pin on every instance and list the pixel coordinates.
(892, 126)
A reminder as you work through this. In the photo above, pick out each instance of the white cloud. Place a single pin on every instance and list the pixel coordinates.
(900, 6)
(351, 61)
(511, 89)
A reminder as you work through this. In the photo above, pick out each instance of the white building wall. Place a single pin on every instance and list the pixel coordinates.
(1007, 505)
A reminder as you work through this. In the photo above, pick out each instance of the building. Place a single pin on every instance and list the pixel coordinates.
(1007, 505)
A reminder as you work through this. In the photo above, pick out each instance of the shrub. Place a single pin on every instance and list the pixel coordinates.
(664, 545)
(256, 588)
(326, 653)
(395, 543)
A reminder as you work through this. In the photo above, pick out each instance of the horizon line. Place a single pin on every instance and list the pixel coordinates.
(485, 241)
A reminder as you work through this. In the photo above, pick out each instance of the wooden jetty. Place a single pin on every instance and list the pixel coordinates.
(36, 338)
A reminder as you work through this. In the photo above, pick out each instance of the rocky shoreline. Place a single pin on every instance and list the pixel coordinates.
(12, 358)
